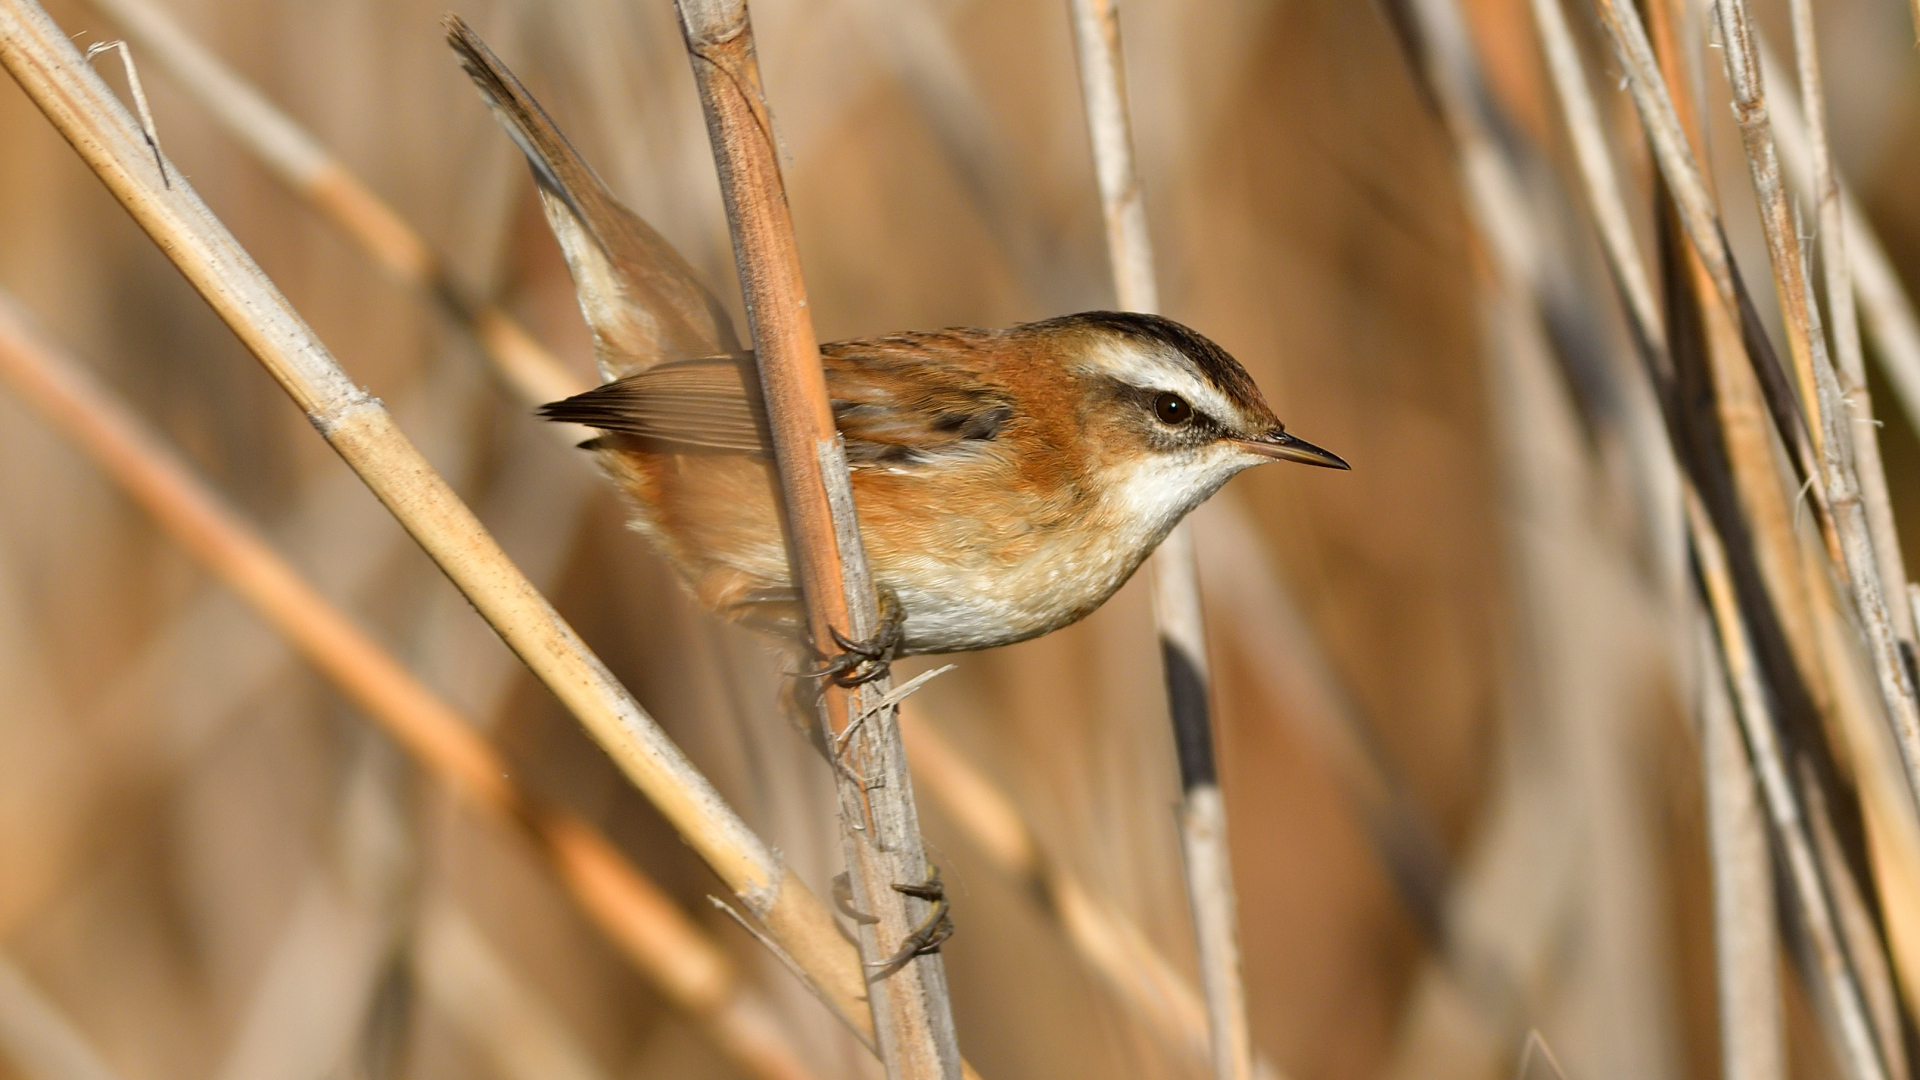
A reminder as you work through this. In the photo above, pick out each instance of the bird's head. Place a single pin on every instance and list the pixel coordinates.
(1168, 415)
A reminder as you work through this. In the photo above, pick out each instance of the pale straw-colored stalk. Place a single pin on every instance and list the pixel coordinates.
(651, 932)
(1174, 567)
(1843, 320)
(1119, 953)
(306, 166)
(1850, 1019)
(1752, 1040)
(880, 832)
(1746, 1010)
(1746, 924)
(1821, 389)
(1700, 222)
(84, 110)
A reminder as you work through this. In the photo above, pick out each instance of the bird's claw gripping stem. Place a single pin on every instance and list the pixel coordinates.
(862, 662)
(932, 932)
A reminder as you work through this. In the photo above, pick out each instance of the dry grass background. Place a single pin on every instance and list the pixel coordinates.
(213, 867)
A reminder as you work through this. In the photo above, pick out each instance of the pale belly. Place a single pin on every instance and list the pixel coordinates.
(952, 609)
(965, 578)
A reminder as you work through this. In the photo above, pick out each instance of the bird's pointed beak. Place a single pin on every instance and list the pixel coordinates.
(1281, 446)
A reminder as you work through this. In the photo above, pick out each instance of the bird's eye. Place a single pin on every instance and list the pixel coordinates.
(1172, 409)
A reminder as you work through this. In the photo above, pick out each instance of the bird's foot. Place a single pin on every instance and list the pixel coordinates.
(932, 932)
(862, 662)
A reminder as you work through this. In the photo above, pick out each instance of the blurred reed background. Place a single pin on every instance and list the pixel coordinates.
(1456, 688)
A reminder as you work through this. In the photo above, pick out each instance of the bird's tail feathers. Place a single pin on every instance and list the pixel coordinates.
(641, 298)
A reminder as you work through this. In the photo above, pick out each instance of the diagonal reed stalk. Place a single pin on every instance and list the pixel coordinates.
(1175, 568)
(303, 164)
(1851, 1025)
(880, 830)
(1701, 224)
(1118, 952)
(692, 970)
(1844, 324)
(1821, 391)
(84, 110)
(1749, 1019)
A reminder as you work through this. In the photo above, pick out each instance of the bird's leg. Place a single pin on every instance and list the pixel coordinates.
(932, 932)
(861, 662)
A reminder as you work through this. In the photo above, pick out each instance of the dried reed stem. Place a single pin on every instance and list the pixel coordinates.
(1844, 323)
(1834, 976)
(666, 946)
(1820, 387)
(1805, 343)
(1746, 928)
(1176, 571)
(1855, 268)
(1113, 948)
(1701, 223)
(85, 111)
(1752, 1041)
(300, 161)
(1119, 953)
(1751, 1037)
(1889, 312)
(880, 830)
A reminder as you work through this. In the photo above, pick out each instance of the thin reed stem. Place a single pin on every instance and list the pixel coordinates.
(1133, 970)
(84, 110)
(1111, 946)
(1741, 898)
(1844, 323)
(1175, 569)
(880, 830)
(1701, 224)
(666, 946)
(1823, 395)
(1746, 926)
(1857, 1044)
(314, 174)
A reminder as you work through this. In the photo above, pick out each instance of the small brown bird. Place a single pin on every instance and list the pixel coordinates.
(1007, 482)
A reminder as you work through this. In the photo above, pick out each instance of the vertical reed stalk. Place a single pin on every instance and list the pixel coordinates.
(1821, 389)
(42, 59)
(1745, 921)
(1739, 899)
(880, 831)
(1694, 203)
(1176, 571)
(1838, 984)
(1889, 312)
(1746, 928)
(1844, 325)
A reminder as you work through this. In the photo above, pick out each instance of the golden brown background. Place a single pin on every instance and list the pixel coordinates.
(215, 868)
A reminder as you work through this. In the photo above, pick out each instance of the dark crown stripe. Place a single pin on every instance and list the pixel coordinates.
(1215, 364)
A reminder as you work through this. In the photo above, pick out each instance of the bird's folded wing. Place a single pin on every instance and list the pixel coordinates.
(704, 404)
(891, 405)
